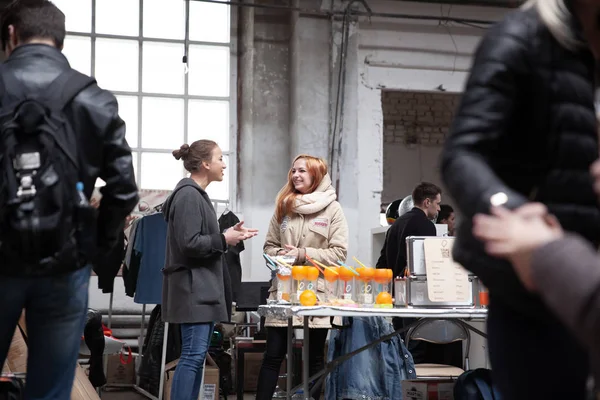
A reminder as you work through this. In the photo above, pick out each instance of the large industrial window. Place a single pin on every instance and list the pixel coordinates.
(137, 54)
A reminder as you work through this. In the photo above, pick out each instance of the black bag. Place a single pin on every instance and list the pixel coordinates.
(12, 387)
(46, 224)
(476, 385)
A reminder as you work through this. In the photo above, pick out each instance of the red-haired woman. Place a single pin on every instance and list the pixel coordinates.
(307, 221)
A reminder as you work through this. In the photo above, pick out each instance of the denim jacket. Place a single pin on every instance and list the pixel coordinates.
(375, 373)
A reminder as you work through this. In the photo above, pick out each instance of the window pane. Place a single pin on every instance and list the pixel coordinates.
(128, 111)
(78, 14)
(209, 71)
(118, 17)
(210, 22)
(162, 68)
(209, 120)
(164, 22)
(220, 190)
(160, 171)
(134, 158)
(162, 123)
(117, 64)
(78, 51)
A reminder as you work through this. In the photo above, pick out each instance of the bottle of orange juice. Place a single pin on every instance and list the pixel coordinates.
(312, 276)
(284, 283)
(365, 285)
(347, 278)
(298, 283)
(383, 284)
(331, 283)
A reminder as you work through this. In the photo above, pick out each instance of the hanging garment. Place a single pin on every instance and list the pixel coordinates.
(131, 264)
(108, 265)
(150, 243)
(376, 373)
(232, 256)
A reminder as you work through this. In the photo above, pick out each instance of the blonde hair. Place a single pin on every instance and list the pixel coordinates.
(557, 18)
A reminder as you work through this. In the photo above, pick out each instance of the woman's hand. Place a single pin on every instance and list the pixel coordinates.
(248, 231)
(515, 235)
(239, 233)
(291, 251)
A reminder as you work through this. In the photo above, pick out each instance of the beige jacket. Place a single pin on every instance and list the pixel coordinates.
(318, 228)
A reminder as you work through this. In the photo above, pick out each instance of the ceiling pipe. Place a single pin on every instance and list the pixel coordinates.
(477, 3)
(324, 13)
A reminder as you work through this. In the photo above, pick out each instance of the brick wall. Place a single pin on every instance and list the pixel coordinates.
(417, 118)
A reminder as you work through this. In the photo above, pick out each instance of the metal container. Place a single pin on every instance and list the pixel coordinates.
(417, 294)
(415, 253)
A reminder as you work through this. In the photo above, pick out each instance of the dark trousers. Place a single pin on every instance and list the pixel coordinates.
(533, 356)
(55, 313)
(275, 353)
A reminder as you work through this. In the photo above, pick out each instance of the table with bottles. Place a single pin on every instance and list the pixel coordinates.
(344, 292)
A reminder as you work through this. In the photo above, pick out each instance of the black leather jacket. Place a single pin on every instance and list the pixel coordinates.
(101, 132)
(526, 126)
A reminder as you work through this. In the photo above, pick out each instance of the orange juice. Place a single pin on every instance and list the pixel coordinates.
(312, 275)
(284, 284)
(347, 277)
(331, 283)
(383, 285)
(365, 288)
(298, 284)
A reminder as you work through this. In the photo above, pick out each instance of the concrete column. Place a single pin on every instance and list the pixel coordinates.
(246, 105)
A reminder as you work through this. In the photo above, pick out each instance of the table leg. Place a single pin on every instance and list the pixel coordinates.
(305, 354)
(241, 354)
(290, 359)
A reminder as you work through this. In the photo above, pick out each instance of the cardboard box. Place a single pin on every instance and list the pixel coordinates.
(119, 373)
(211, 381)
(428, 390)
(252, 364)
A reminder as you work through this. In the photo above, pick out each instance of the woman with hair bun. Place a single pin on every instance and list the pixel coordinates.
(193, 293)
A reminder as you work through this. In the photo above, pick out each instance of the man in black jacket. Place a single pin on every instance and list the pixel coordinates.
(526, 131)
(417, 222)
(55, 302)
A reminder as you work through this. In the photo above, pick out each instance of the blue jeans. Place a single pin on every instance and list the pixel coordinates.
(195, 340)
(55, 310)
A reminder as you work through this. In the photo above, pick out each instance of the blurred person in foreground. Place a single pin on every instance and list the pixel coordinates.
(525, 131)
(542, 255)
(54, 146)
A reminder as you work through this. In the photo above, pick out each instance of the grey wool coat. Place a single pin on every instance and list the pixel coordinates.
(193, 289)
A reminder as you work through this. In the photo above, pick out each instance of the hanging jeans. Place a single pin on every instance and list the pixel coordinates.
(276, 350)
(55, 312)
(195, 340)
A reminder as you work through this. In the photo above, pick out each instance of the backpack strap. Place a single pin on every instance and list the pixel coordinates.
(65, 87)
(484, 388)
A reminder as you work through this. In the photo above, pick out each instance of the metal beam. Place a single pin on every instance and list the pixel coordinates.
(340, 13)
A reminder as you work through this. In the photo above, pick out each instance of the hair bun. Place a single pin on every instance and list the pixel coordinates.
(182, 152)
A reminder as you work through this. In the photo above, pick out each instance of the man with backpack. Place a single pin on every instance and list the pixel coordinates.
(59, 133)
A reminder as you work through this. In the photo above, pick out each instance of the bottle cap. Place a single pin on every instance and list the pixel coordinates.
(79, 186)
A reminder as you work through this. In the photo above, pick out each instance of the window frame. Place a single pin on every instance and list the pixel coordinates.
(232, 169)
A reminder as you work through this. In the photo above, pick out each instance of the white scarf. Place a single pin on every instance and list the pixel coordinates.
(318, 200)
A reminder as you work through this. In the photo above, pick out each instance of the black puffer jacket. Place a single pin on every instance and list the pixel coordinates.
(526, 127)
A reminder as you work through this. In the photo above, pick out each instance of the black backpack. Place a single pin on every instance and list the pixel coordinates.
(476, 385)
(46, 224)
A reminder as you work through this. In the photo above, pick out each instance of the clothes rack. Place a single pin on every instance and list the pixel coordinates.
(136, 387)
